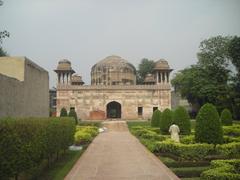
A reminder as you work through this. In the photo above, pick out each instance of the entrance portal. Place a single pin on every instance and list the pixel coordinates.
(114, 110)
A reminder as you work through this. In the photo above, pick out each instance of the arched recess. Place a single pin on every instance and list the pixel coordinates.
(114, 110)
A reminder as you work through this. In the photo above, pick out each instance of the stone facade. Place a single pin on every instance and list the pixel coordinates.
(24, 88)
(125, 101)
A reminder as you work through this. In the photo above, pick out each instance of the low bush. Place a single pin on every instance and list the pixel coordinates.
(231, 130)
(230, 150)
(85, 134)
(223, 170)
(230, 139)
(188, 139)
(26, 142)
(182, 119)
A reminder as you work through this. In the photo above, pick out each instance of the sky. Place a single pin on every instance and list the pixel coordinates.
(87, 31)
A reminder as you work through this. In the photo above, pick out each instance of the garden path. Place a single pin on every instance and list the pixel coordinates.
(118, 155)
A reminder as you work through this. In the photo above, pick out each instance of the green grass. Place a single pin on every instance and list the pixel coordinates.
(138, 123)
(61, 168)
(194, 178)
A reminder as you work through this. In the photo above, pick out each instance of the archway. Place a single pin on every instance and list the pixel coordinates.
(114, 110)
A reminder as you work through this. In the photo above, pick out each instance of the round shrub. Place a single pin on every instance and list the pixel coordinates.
(63, 112)
(182, 119)
(208, 125)
(226, 117)
(166, 121)
(156, 118)
(72, 113)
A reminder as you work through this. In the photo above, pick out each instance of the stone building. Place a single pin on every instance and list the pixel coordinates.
(24, 88)
(113, 92)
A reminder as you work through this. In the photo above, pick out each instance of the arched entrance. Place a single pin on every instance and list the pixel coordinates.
(114, 110)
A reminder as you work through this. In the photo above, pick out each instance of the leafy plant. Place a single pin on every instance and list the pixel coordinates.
(208, 125)
(155, 122)
(166, 121)
(226, 117)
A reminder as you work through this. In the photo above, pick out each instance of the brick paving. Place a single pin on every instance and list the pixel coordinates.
(118, 155)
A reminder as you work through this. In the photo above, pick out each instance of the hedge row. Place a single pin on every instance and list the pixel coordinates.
(193, 152)
(223, 170)
(25, 143)
(231, 130)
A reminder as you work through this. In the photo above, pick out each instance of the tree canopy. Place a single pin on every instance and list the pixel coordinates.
(208, 81)
(146, 66)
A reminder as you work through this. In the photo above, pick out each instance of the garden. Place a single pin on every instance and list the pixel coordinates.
(209, 146)
(38, 148)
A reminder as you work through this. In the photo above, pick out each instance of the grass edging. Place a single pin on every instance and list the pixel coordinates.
(62, 167)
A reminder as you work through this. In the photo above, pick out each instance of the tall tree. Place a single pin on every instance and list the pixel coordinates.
(146, 66)
(207, 81)
(234, 53)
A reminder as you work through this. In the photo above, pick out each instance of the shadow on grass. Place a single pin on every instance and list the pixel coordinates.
(62, 167)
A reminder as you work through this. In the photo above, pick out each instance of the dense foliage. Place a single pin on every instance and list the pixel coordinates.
(25, 143)
(211, 79)
(208, 125)
(63, 112)
(155, 122)
(146, 66)
(182, 119)
(85, 134)
(166, 121)
(223, 170)
(226, 117)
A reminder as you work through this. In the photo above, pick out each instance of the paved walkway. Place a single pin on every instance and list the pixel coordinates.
(117, 155)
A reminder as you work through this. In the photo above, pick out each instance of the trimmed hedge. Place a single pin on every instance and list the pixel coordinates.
(155, 122)
(183, 151)
(208, 125)
(166, 121)
(182, 119)
(231, 130)
(226, 117)
(189, 171)
(26, 142)
(230, 150)
(223, 170)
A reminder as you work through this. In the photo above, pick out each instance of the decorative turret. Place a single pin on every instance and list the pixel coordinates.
(162, 72)
(64, 72)
(77, 80)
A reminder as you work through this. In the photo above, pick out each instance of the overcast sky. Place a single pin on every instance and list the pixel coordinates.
(87, 31)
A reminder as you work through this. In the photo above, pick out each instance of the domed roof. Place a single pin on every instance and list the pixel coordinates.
(114, 61)
(64, 65)
(161, 64)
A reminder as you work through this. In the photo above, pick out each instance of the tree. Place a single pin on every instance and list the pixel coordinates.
(166, 121)
(146, 66)
(234, 53)
(207, 81)
(208, 125)
(72, 113)
(182, 119)
(226, 117)
(156, 118)
(3, 34)
(63, 112)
